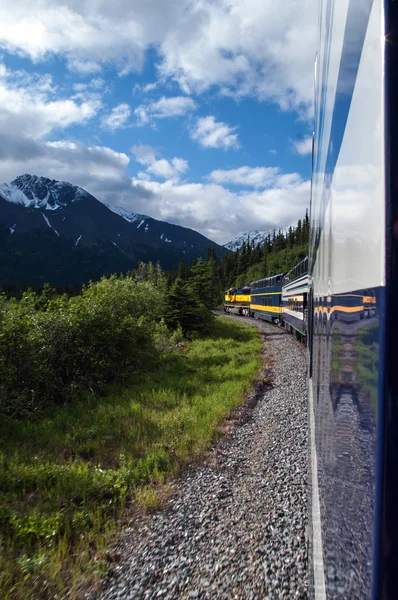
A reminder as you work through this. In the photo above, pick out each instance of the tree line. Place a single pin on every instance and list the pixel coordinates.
(280, 252)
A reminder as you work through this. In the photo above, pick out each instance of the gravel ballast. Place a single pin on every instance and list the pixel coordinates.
(234, 525)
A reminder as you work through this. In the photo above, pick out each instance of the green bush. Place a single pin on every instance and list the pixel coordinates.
(51, 349)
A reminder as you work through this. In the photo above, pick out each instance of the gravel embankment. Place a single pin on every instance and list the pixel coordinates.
(234, 526)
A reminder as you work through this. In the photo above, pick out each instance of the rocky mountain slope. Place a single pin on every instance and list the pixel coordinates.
(57, 232)
(256, 237)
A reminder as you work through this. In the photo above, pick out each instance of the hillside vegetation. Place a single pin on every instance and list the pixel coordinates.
(281, 251)
(104, 395)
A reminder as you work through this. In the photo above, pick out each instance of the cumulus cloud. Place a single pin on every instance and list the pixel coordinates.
(243, 48)
(214, 134)
(160, 168)
(28, 105)
(176, 106)
(303, 146)
(246, 48)
(117, 118)
(144, 154)
(257, 177)
(168, 169)
(85, 34)
(60, 159)
(219, 213)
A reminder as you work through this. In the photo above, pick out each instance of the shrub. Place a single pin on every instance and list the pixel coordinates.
(52, 348)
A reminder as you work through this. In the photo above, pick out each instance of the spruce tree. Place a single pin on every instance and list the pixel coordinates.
(184, 309)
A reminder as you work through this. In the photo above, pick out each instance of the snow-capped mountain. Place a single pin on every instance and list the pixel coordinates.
(55, 231)
(40, 192)
(255, 237)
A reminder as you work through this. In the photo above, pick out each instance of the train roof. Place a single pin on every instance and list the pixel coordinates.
(267, 281)
(245, 288)
(298, 270)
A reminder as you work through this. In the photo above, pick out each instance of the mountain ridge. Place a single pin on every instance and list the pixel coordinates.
(255, 237)
(38, 212)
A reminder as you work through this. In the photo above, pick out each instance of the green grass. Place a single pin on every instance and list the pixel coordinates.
(65, 480)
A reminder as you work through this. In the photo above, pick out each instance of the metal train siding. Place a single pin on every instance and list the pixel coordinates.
(352, 316)
(352, 309)
(265, 299)
(295, 290)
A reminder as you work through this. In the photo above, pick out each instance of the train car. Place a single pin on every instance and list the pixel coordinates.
(266, 301)
(369, 304)
(237, 300)
(295, 290)
(353, 385)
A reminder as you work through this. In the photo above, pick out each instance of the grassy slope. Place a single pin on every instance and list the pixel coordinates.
(65, 479)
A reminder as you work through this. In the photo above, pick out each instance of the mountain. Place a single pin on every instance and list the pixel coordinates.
(256, 237)
(57, 232)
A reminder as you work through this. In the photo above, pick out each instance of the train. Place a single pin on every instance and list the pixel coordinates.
(352, 304)
(343, 301)
(283, 299)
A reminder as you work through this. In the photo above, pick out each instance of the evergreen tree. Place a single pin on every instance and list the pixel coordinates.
(299, 232)
(306, 228)
(182, 270)
(184, 309)
(265, 265)
(203, 282)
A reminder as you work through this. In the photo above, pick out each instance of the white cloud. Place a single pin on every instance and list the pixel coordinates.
(60, 159)
(118, 117)
(85, 34)
(28, 105)
(97, 83)
(168, 169)
(150, 86)
(217, 212)
(304, 146)
(160, 168)
(176, 106)
(145, 155)
(244, 48)
(258, 177)
(214, 134)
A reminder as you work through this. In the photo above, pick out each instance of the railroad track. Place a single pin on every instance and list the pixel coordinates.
(235, 524)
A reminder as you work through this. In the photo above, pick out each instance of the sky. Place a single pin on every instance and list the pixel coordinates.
(195, 112)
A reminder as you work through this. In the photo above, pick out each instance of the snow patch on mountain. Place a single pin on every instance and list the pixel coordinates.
(255, 237)
(122, 212)
(40, 192)
(13, 194)
(49, 224)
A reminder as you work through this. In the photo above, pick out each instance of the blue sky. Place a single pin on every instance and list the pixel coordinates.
(197, 112)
